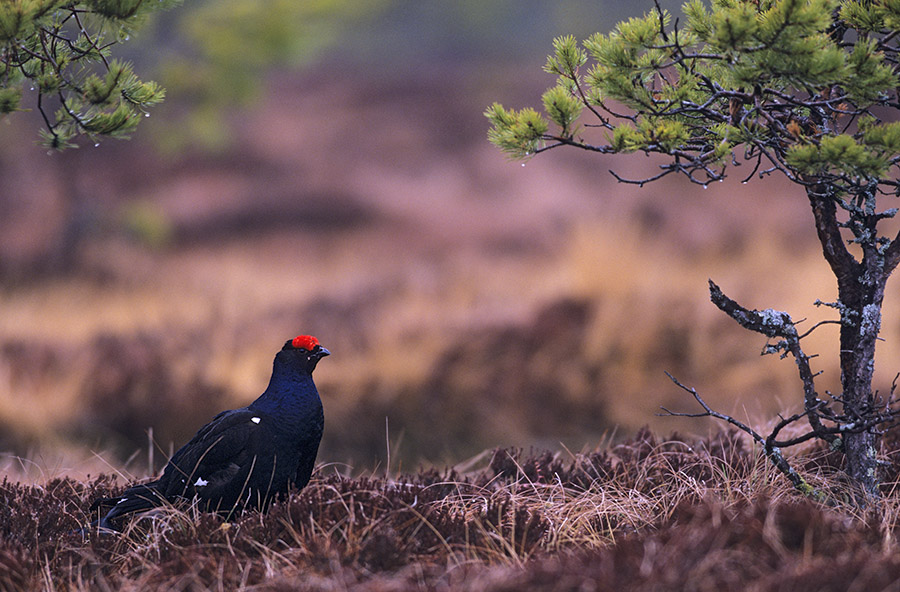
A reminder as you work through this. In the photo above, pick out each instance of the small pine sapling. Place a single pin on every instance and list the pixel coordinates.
(804, 88)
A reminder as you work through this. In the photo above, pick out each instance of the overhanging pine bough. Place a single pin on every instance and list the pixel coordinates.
(803, 88)
(61, 49)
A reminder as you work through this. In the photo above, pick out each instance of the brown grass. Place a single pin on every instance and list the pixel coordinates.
(646, 514)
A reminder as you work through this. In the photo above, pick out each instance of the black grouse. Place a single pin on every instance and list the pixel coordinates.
(244, 457)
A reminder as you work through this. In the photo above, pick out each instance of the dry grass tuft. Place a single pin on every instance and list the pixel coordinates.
(648, 513)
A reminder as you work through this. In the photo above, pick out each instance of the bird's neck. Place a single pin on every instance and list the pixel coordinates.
(290, 391)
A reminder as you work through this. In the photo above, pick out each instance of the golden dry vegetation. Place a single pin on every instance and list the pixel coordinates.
(470, 302)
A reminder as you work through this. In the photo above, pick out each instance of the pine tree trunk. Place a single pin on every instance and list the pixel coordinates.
(862, 466)
(860, 295)
(857, 356)
(860, 448)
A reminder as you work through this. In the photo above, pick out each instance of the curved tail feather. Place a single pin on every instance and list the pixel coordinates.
(134, 499)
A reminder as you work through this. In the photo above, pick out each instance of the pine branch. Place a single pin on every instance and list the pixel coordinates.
(821, 199)
(773, 323)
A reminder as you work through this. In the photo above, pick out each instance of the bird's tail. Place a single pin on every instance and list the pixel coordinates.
(134, 499)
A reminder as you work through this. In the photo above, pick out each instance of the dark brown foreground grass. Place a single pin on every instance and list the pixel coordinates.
(648, 514)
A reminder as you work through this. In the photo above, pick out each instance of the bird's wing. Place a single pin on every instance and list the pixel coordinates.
(221, 451)
(220, 454)
(219, 423)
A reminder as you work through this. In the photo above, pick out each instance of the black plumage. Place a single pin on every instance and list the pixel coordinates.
(244, 457)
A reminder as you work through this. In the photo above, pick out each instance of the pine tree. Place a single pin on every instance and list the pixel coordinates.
(62, 50)
(804, 88)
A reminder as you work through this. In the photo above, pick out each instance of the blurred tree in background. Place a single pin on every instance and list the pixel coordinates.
(214, 55)
(63, 51)
(211, 56)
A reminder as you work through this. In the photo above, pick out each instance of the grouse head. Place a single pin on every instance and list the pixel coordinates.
(303, 350)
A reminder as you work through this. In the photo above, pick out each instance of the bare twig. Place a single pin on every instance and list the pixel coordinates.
(773, 453)
(773, 323)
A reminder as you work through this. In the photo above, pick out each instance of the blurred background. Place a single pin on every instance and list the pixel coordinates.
(322, 167)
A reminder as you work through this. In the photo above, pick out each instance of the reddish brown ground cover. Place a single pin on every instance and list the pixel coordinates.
(646, 514)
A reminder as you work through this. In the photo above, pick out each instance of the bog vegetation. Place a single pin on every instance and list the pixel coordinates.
(644, 512)
(648, 513)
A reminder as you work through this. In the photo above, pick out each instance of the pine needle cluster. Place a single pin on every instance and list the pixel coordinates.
(63, 52)
(774, 82)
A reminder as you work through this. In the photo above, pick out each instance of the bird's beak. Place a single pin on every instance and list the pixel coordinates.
(322, 352)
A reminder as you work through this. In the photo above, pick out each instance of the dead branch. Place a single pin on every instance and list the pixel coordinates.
(772, 452)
